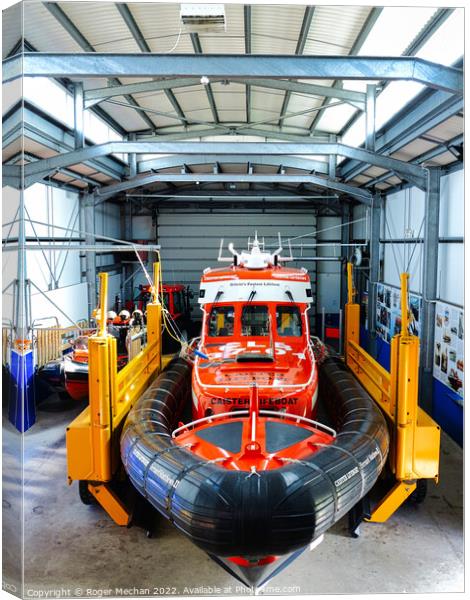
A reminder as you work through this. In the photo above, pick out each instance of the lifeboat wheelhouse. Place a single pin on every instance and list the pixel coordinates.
(255, 331)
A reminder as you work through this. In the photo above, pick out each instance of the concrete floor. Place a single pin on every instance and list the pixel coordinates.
(76, 550)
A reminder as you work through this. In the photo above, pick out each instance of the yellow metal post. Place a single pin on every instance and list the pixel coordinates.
(415, 436)
(351, 313)
(93, 437)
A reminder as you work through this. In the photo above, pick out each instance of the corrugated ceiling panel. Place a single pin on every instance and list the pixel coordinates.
(299, 103)
(32, 147)
(334, 29)
(231, 116)
(412, 150)
(201, 168)
(12, 149)
(360, 179)
(221, 43)
(228, 100)
(194, 98)
(200, 114)
(102, 25)
(449, 129)
(102, 178)
(275, 28)
(158, 101)
(86, 170)
(44, 32)
(375, 171)
(161, 26)
(233, 40)
(394, 180)
(265, 169)
(265, 104)
(11, 27)
(334, 118)
(127, 117)
(444, 159)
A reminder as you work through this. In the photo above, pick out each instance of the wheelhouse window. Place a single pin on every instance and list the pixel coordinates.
(288, 321)
(221, 321)
(255, 320)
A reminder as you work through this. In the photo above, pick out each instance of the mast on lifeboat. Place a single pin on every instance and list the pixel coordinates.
(256, 258)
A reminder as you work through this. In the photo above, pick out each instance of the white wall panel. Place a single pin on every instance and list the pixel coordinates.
(451, 273)
(452, 224)
(404, 213)
(72, 300)
(452, 205)
(10, 203)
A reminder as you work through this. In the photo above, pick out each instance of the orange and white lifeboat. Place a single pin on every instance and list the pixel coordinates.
(255, 330)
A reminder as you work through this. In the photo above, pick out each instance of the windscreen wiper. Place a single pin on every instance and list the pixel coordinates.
(252, 295)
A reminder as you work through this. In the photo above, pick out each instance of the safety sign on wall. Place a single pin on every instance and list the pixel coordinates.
(449, 346)
(388, 312)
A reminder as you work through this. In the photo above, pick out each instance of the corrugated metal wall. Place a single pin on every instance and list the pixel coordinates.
(190, 240)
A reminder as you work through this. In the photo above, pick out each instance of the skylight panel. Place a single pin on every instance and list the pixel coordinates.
(446, 45)
(334, 118)
(50, 97)
(394, 30)
(356, 134)
(394, 97)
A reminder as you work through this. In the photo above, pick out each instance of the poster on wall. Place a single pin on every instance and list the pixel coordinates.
(449, 346)
(388, 318)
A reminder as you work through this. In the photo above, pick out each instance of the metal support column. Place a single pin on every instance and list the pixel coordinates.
(332, 159)
(78, 115)
(429, 285)
(127, 268)
(132, 156)
(21, 406)
(370, 117)
(90, 258)
(345, 251)
(374, 269)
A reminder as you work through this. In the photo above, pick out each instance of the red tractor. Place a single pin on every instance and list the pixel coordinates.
(177, 300)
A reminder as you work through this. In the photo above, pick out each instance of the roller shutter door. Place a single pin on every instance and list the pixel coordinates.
(190, 241)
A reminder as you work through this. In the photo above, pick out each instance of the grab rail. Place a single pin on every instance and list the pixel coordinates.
(270, 413)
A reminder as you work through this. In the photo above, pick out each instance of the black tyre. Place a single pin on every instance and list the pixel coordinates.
(418, 496)
(85, 495)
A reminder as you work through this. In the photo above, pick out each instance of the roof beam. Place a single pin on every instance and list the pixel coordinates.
(230, 131)
(353, 97)
(41, 168)
(142, 180)
(305, 28)
(422, 158)
(76, 34)
(96, 95)
(294, 162)
(141, 42)
(210, 96)
(86, 65)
